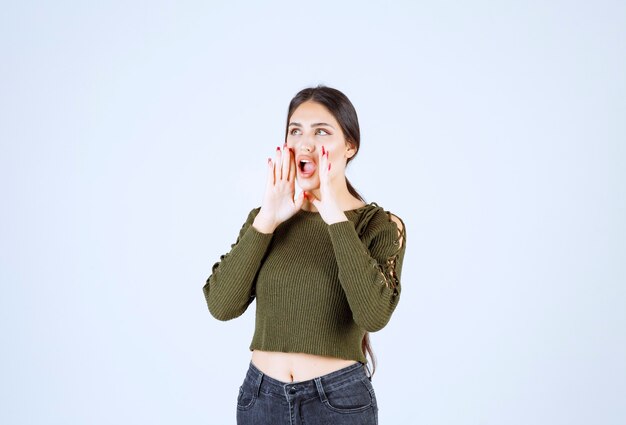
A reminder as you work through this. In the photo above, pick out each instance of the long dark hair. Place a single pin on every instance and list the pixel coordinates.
(342, 109)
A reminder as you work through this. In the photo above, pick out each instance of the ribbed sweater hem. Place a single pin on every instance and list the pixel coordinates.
(310, 348)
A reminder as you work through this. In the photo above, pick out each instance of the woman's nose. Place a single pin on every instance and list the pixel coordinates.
(306, 147)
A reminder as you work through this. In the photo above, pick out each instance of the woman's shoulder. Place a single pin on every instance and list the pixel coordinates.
(375, 211)
(373, 218)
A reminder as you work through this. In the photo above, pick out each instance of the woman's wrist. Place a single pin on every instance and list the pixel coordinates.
(263, 225)
(336, 218)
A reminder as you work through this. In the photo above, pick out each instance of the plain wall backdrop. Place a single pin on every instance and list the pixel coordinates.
(134, 137)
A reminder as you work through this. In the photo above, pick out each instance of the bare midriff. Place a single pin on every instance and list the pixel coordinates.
(296, 367)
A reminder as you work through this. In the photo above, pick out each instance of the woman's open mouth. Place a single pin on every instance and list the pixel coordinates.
(306, 167)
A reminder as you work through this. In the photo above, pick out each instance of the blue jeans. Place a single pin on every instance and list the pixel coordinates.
(343, 397)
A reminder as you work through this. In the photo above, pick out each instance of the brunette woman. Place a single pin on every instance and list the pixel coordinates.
(324, 267)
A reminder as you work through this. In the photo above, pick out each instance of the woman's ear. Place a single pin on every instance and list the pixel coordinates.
(350, 149)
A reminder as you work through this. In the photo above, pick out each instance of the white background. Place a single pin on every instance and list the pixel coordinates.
(134, 137)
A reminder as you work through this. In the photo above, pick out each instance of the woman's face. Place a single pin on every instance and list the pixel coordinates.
(311, 126)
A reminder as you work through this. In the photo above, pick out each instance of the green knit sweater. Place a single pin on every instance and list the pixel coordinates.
(318, 287)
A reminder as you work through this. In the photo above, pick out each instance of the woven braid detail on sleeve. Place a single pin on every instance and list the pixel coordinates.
(370, 274)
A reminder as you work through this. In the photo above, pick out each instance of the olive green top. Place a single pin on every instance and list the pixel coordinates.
(318, 287)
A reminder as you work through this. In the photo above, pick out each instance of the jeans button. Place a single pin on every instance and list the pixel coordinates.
(292, 390)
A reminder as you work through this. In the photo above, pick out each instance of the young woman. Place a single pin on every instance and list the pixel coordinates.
(324, 268)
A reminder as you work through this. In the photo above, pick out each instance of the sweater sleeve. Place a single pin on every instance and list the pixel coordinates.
(229, 289)
(370, 276)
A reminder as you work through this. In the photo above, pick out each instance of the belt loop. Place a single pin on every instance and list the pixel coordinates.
(257, 384)
(367, 371)
(320, 389)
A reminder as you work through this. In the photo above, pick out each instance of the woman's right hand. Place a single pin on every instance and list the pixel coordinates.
(279, 201)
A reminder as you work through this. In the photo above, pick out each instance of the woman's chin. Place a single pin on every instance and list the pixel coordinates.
(308, 184)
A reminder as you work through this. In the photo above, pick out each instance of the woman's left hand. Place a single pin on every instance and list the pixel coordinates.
(328, 205)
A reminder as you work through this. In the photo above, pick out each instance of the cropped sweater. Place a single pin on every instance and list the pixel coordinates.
(319, 288)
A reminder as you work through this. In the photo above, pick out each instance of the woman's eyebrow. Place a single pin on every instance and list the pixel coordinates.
(317, 124)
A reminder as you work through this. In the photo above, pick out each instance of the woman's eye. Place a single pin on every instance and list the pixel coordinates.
(292, 132)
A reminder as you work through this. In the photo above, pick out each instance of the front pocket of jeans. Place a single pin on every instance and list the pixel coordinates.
(246, 399)
(350, 398)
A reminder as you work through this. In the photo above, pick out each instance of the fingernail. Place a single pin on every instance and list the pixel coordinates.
(322, 149)
(285, 145)
(269, 160)
(304, 194)
(277, 148)
(329, 166)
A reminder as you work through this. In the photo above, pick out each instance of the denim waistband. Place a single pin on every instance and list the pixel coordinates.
(259, 381)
